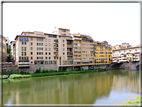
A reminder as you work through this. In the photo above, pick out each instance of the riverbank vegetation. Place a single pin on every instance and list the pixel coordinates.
(41, 73)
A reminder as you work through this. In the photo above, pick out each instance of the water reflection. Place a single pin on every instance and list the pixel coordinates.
(86, 88)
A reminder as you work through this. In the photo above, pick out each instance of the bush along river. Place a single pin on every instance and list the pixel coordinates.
(96, 88)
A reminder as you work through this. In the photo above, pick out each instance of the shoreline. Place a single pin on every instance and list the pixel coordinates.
(38, 75)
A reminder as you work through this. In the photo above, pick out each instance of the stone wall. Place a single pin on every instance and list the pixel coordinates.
(32, 68)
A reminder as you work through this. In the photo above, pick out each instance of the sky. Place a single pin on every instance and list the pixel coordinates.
(115, 23)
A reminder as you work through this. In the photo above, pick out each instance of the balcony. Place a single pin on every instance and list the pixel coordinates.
(55, 50)
(56, 54)
(23, 63)
(69, 54)
(77, 60)
(55, 41)
(75, 49)
(55, 46)
(77, 38)
(69, 46)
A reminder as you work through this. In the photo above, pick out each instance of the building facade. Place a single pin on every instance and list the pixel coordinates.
(126, 54)
(3, 49)
(59, 48)
(102, 53)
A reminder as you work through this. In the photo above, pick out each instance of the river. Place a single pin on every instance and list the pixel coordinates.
(110, 87)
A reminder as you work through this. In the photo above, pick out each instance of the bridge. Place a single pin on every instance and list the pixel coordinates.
(132, 65)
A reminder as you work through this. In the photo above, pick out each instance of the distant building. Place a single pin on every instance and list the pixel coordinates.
(126, 54)
(3, 45)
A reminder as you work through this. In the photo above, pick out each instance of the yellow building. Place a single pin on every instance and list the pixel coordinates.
(83, 50)
(102, 53)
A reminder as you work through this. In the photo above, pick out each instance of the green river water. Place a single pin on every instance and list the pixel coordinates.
(110, 87)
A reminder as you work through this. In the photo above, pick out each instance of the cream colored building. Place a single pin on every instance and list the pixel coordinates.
(13, 49)
(3, 48)
(44, 48)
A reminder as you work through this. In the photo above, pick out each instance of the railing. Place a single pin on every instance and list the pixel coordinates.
(23, 63)
(56, 54)
(77, 64)
(55, 45)
(77, 60)
(55, 50)
(69, 54)
(69, 46)
(55, 41)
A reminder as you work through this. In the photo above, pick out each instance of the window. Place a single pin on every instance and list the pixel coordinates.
(22, 48)
(46, 49)
(46, 62)
(49, 58)
(37, 53)
(31, 48)
(135, 49)
(31, 53)
(79, 55)
(37, 39)
(49, 44)
(20, 38)
(63, 57)
(31, 43)
(83, 47)
(45, 57)
(45, 53)
(22, 43)
(63, 53)
(37, 48)
(45, 40)
(31, 39)
(24, 33)
(83, 44)
(79, 48)
(49, 53)
(45, 44)
(83, 51)
(49, 40)
(37, 43)
(25, 43)
(31, 57)
(49, 49)
(59, 36)
(63, 49)
(50, 62)
(83, 55)
(25, 48)
(63, 40)
(63, 30)
(63, 45)
(78, 44)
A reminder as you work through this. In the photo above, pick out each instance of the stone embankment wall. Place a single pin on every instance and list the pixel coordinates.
(30, 69)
